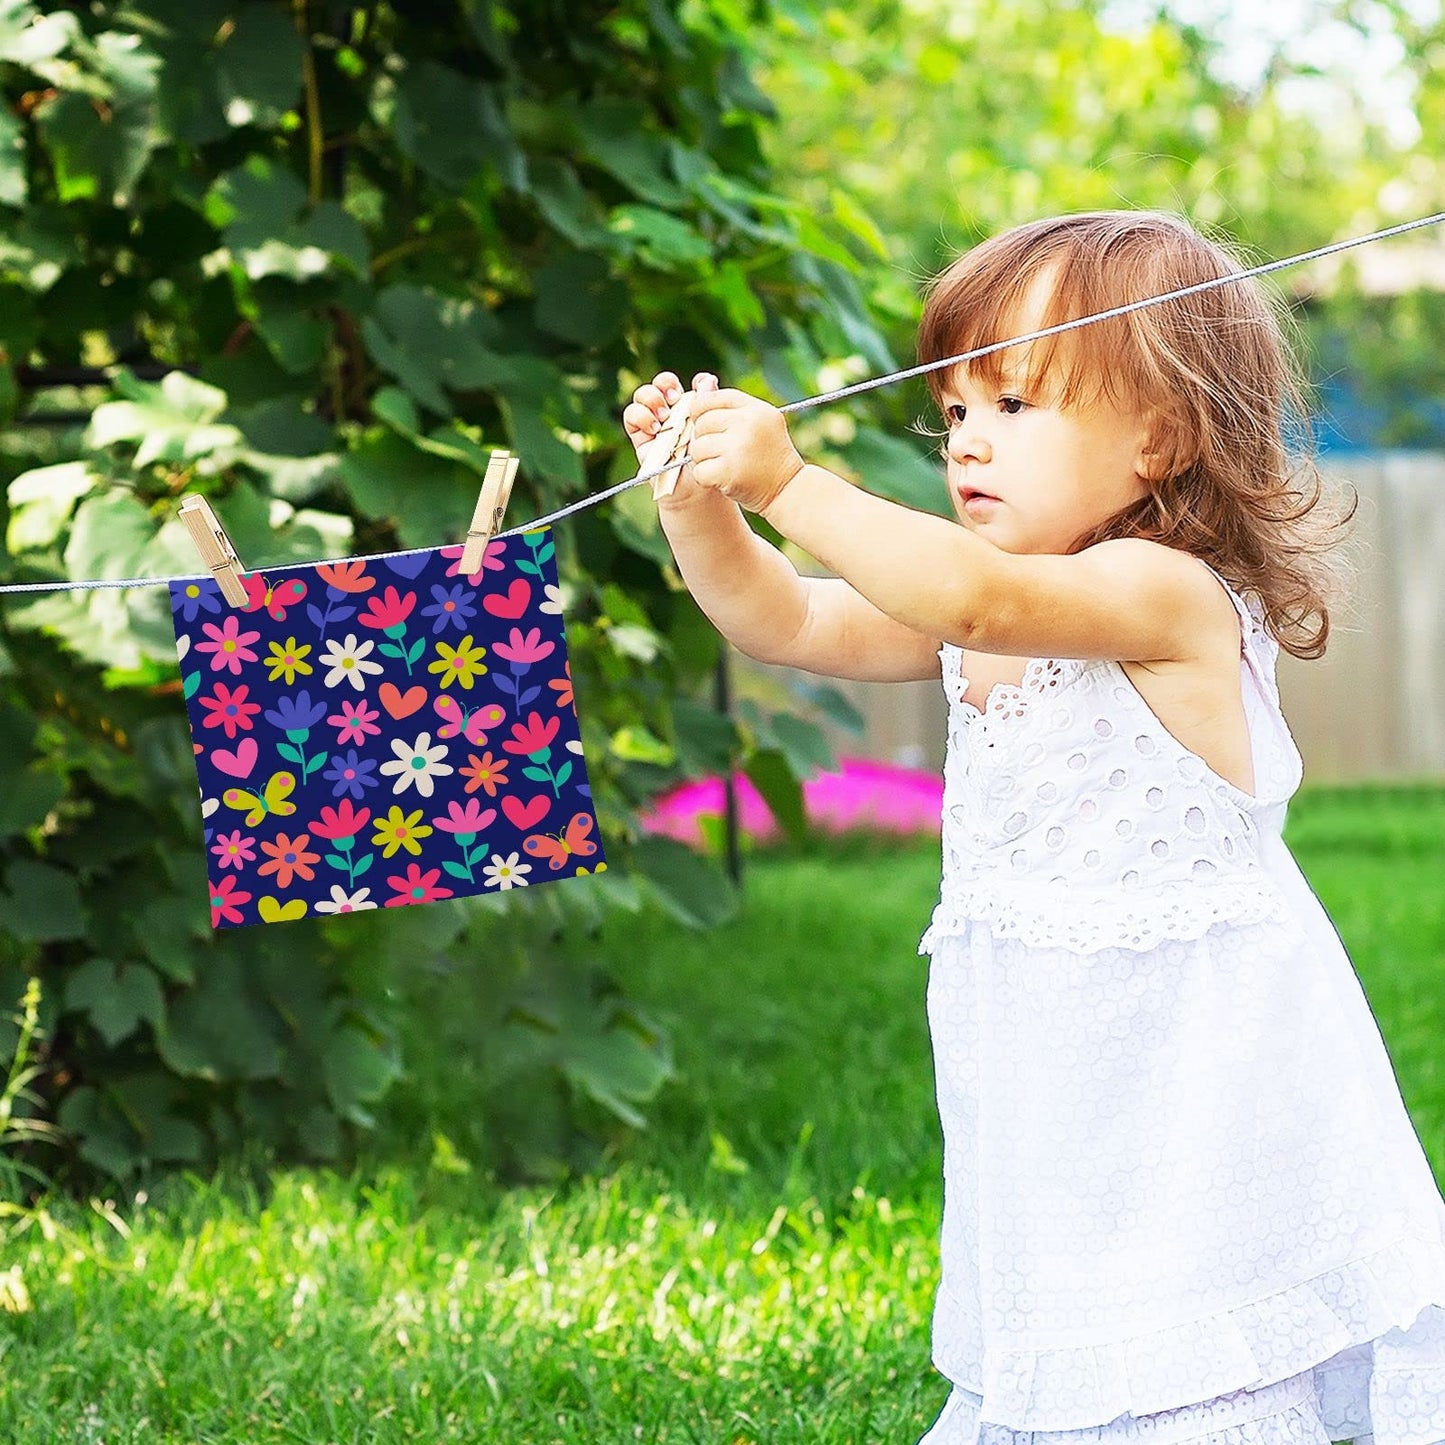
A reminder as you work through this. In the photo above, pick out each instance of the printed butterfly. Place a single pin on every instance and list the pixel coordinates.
(479, 720)
(272, 799)
(274, 600)
(555, 847)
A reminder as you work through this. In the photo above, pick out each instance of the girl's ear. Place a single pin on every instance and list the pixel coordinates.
(1166, 447)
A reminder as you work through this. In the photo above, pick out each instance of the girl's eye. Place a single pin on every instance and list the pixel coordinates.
(1012, 405)
(948, 414)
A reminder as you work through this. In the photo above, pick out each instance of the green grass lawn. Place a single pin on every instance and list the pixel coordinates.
(759, 1267)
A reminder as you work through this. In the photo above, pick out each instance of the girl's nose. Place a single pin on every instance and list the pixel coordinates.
(966, 447)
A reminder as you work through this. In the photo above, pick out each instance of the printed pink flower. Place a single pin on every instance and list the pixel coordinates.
(230, 709)
(355, 720)
(234, 849)
(343, 821)
(524, 651)
(471, 818)
(226, 898)
(391, 611)
(492, 560)
(230, 645)
(532, 736)
(416, 887)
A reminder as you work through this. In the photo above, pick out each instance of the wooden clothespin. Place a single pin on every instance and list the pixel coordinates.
(672, 441)
(215, 548)
(491, 505)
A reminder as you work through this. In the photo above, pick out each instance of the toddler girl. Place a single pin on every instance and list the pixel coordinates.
(1183, 1199)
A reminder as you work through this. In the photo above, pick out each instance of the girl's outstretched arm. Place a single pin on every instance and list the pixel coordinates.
(1128, 598)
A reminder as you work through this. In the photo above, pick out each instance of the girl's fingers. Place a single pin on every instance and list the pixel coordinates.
(641, 420)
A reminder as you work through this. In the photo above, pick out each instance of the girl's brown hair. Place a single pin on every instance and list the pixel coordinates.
(1214, 367)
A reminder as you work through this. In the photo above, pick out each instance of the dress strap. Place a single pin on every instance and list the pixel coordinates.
(1250, 618)
(1279, 767)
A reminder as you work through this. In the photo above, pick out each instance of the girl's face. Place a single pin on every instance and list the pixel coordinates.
(1048, 475)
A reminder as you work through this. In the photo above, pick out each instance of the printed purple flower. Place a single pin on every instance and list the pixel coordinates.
(454, 607)
(195, 599)
(296, 714)
(351, 773)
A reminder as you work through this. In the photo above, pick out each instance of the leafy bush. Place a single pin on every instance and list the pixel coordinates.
(314, 262)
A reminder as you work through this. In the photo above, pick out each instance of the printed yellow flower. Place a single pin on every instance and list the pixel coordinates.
(460, 663)
(398, 830)
(287, 660)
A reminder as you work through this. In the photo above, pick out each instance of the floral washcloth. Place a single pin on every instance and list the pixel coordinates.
(384, 733)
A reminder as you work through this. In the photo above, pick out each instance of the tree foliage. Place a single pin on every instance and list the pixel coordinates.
(327, 256)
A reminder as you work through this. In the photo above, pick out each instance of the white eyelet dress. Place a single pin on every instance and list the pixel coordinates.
(1183, 1199)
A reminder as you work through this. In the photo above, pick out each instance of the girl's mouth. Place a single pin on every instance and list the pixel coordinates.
(972, 494)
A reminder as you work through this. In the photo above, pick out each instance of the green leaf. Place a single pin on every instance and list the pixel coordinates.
(253, 202)
(172, 420)
(615, 135)
(37, 248)
(567, 206)
(27, 37)
(635, 744)
(258, 66)
(837, 708)
(27, 798)
(99, 152)
(40, 903)
(108, 535)
(662, 241)
(42, 500)
(804, 744)
(427, 499)
(115, 996)
(705, 738)
(579, 300)
(359, 1069)
(13, 186)
(897, 469)
(848, 212)
(621, 1063)
(106, 1138)
(690, 888)
(217, 1030)
(780, 789)
(168, 927)
(427, 341)
(451, 126)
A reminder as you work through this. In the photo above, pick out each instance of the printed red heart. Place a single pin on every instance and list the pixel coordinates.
(526, 815)
(514, 604)
(237, 764)
(401, 704)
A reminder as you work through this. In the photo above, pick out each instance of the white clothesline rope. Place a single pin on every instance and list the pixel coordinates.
(594, 498)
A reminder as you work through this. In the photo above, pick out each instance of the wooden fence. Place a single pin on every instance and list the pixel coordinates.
(1372, 708)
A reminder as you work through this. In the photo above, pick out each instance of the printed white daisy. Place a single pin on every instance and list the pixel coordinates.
(183, 646)
(344, 902)
(506, 872)
(420, 764)
(555, 598)
(347, 661)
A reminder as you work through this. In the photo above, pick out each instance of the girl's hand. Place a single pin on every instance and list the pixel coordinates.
(741, 447)
(646, 415)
